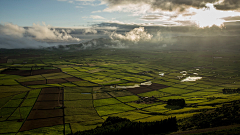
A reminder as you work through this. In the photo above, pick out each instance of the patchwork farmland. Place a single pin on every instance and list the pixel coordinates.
(65, 92)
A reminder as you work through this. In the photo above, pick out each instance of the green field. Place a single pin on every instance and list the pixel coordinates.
(101, 88)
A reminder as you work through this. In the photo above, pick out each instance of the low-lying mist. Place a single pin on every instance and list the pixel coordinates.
(148, 37)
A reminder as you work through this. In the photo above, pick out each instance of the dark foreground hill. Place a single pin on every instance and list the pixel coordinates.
(121, 126)
(227, 115)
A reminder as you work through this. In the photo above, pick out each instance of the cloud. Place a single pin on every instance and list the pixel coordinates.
(96, 17)
(153, 5)
(90, 30)
(228, 5)
(84, 0)
(12, 30)
(78, 7)
(46, 33)
(232, 18)
(135, 35)
(98, 11)
(14, 36)
(152, 17)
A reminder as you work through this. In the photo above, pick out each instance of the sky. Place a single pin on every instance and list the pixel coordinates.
(58, 20)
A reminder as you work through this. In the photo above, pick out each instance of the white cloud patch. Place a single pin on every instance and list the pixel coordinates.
(46, 33)
(14, 36)
(98, 11)
(12, 30)
(96, 17)
(152, 17)
(90, 30)
(177, 12)
(135, 35)
(78, 7)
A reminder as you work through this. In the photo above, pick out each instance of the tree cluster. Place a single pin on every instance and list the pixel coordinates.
(228, 114)
(121, 126)
(230, 91)
(176, 102)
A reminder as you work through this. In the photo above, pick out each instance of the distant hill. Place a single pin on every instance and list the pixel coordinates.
(218, 43)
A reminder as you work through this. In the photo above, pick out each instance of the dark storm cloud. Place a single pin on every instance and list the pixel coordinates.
(170, 5)
(229, 29)
(228, 5)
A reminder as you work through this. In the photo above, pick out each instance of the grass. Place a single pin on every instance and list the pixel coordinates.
(8, 94)
(24, 111)
(6, 128)
(54, 130)
(153, 93)
(161, 117)
(101, 95)
(133, 79)
(55, 75)
(112, 82)
(78, 103)
(76, 96)
(31, 78)
(127, 84)
(195, 100)
(80, 111)
(29, 102)
(13, 103)
(78, 89)
(7, 77)
(120, 93)
(84, 83)
(8, 82)
(172, 97)
(80, 118)
(3, 101)
(139, 106)
(68, 84)
(172, 90)
(153, 118)
(20, 96)
(194, 88)
(15, 88)
(189, 109)
(157, 108)
(198, 94)
(132, 115)
(110, 109)
(6, 112)
(219, 101)
(184, 115)
(41, 86)
(104, 102)
(34, 93)
(122, 69)
(80, 127)
(128, 98)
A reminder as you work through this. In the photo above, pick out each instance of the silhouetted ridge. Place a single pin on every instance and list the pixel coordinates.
(121, 126)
